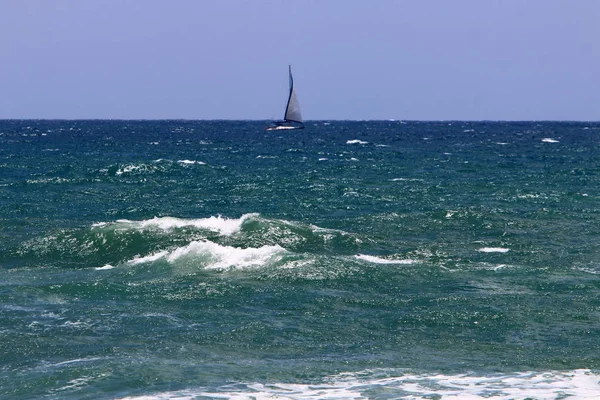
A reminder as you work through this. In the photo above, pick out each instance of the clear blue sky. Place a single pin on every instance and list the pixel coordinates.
(352, 59)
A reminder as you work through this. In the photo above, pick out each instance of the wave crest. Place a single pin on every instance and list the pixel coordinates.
(215, 242)
(223, 226)
(214, 256)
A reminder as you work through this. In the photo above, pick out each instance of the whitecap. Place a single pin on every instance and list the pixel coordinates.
(549, 140)
(407, 180)
(150, 258)
(135, 169)
(494, 250)
(450, 213)
(224, 226)
(225, 257)
(107, 266)
(191, 162)
(356, 141)
(378, 260)
(216, 256)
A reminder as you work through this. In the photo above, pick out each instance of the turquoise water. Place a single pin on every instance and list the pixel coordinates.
(213, 259)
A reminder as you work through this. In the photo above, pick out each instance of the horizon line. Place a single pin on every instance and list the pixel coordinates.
(305, 121)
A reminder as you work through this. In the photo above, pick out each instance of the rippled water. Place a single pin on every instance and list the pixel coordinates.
(213, 259)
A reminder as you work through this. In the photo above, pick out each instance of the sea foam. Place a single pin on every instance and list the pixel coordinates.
(378, 260)
(224, 226)
(190, 162)
(580, 384)
(494, 250)
(107, 266)
(214, 256)
(356, 141)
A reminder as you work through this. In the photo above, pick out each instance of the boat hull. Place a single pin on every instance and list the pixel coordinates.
(283, 128)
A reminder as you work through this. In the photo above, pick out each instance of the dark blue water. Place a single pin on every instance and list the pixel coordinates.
(214, 259)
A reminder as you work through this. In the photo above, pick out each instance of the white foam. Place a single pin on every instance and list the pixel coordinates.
(226, 257)
(190, 162)
(224, 226)
(135, 169)
(378, 260)
(494, 250)
(588, 270)
(107, 266)
(532, 196)
(214, 256)
(579, 384)
(150, 258)
(356, 141)
(549, 140)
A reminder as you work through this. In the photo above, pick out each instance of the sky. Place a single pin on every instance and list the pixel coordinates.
(351, 59)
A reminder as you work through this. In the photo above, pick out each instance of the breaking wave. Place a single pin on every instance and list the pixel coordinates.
(580, 384)
(214, 256)
(216, 243)
(223, 226)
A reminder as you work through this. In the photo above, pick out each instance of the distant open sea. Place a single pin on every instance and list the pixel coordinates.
(364, 260)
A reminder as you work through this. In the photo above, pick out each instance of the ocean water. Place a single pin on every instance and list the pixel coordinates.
(365, 260)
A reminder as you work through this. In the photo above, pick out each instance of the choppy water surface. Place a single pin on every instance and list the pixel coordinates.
(213, 259)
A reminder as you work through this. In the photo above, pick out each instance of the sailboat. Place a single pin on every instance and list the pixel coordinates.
(292, 119)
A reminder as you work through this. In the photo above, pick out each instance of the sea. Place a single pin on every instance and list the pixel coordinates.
(185, 259)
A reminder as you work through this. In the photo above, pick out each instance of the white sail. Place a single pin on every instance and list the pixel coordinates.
(292, 111)
(292, 118)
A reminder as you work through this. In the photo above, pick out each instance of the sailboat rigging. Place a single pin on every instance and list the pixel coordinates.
(292, 119)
